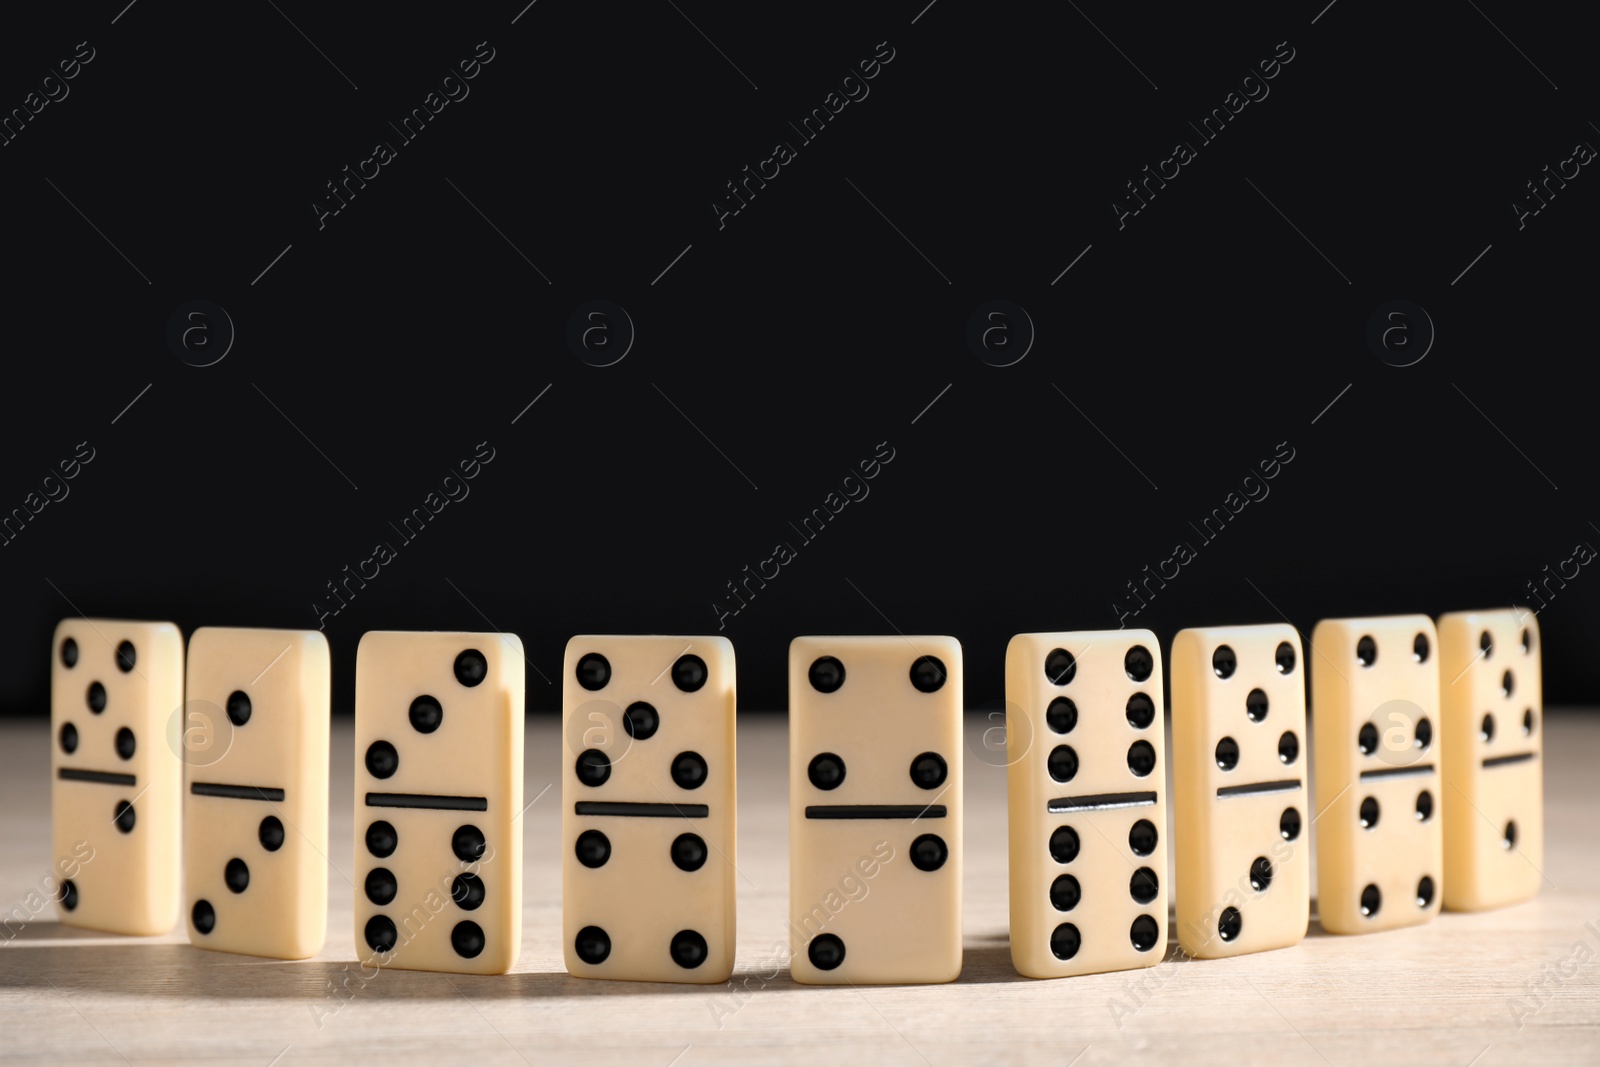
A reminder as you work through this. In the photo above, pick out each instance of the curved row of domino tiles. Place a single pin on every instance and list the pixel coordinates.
(1427, 758)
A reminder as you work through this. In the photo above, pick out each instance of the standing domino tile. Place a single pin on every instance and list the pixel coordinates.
(1374, 702)
(875, 809)
(116, 781)
(439, 800)
(1243, 873)
(255, 806)
(1087, 818)
(1492, 714)
(647, 821)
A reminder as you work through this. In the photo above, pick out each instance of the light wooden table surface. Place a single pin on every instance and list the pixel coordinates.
(1521, 985)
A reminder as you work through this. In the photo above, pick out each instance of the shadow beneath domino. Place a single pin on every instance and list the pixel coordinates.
(40, 932)
(108, 965)
(83, 962)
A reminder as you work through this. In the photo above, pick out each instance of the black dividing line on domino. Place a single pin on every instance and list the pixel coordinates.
(236, 792)
(1101, 802)
(73, 774)
(427, 800)
(1282, 785)
(1417, 771)
(876, 811)
(641, 811)
(1501, 761)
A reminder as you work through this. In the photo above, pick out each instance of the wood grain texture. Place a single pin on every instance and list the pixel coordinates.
(1521, 985)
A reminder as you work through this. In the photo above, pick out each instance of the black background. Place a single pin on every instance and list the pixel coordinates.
(783, 347)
